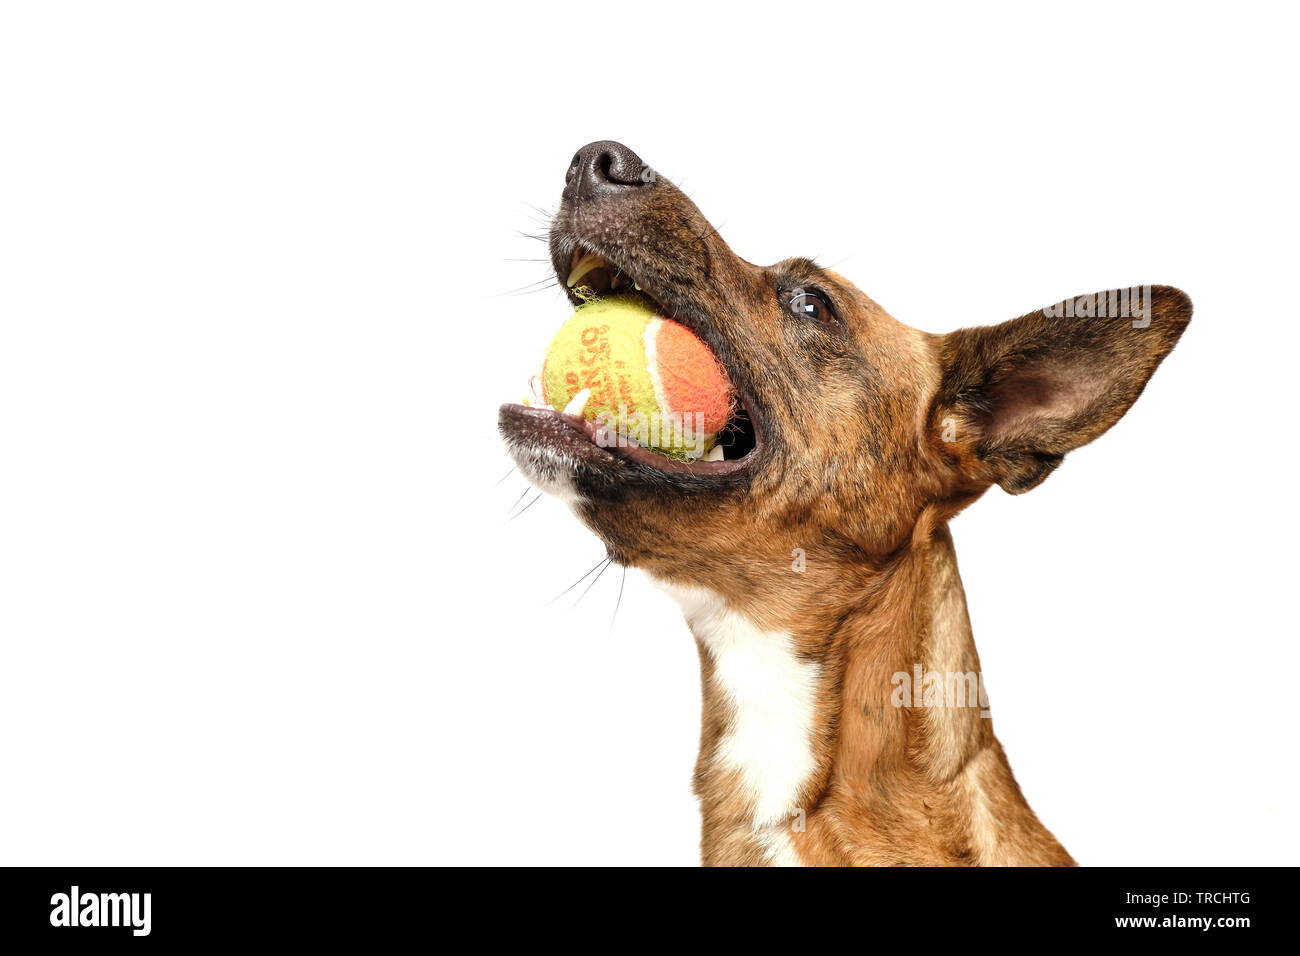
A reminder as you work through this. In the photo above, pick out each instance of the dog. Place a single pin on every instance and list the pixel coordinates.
(813, 562)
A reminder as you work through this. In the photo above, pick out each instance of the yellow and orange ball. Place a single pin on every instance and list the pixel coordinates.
(650, 379)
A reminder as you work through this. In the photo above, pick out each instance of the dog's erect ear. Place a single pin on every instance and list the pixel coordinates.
(1016, 397)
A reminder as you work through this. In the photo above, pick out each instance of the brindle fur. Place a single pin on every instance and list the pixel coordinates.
(854, 470)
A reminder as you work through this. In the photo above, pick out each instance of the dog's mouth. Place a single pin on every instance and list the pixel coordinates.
(579, 442)
(592, 271)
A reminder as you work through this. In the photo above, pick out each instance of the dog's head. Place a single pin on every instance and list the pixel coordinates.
(850, 424)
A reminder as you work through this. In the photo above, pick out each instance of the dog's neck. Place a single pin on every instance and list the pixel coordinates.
(818, 745)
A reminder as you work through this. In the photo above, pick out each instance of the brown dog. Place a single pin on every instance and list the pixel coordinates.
(813, 563)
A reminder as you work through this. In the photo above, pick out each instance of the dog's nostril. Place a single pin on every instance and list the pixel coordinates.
(604, 167)
(621, 166)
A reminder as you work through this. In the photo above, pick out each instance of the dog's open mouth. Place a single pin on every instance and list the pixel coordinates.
(591, 270)
(592, 278)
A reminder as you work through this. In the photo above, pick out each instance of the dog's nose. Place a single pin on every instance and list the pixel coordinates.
(605, 168)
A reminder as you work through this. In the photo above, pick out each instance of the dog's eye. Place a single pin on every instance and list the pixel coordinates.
(811, 305)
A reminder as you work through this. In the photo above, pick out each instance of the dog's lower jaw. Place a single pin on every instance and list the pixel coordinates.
(807, 758)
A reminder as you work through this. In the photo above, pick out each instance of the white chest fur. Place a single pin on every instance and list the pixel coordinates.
(771, 694)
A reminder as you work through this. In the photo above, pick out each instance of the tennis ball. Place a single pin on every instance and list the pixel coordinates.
(651, 380)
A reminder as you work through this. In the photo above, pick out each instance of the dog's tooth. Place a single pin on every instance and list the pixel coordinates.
(716, 453)
(585, 264)
(637, 286)
(578, 404)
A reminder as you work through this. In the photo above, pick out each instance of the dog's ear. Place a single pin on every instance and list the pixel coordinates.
(1016, 397)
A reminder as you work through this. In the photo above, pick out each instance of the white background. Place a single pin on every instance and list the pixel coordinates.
(259, 599)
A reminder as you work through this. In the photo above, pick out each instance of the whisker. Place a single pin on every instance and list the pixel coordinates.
(504, 477)
(517, 500)
(711, 231)
(544, 280)
(527, 506)
(538, 286)
(575, 583)
(590, 586)
(619, 602)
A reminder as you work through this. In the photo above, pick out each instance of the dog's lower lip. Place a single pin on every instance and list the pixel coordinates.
(652, 459)
(569, 433)
(595, 442)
